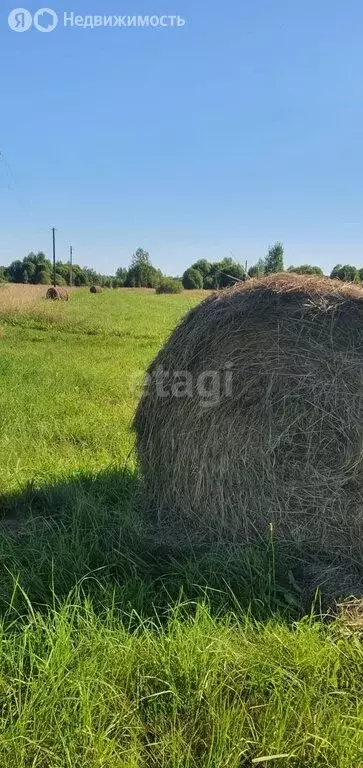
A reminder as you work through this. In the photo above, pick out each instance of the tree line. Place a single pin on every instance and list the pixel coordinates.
(205, 274)
(36, 268)
(215, 275)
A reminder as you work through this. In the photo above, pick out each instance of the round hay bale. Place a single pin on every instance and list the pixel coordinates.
(55, 293)
(252, 418)
(96, 289)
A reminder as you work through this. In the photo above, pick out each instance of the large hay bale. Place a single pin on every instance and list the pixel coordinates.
(55, 293)
(96, 289)
(253, 415)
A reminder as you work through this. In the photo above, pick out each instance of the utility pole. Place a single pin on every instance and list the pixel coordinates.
(54, 281)
(71, 265)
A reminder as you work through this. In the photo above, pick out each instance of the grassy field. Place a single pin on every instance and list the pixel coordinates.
(116, 653)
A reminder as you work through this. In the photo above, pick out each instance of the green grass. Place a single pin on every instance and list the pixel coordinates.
(116, 653)
(79, 689)
(68, 380)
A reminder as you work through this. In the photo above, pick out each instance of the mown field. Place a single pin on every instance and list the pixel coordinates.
(114, 652)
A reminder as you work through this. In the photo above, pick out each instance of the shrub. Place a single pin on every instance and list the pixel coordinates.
(306, 269)
(169, 285)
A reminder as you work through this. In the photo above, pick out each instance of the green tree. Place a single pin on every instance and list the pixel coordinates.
(63, 270)
(44, 276)
(33, 267)
(59, 279)
(36, 268)
(79, 276)
(142, 274)
(140, 257)
(192, 278)
(209, 283)
(92, 277)
(335, 272)
(230, 274)
(258, 269)
(16, 271)
(306, 269)
(204, 267)
(121, 274)
(274, 261)
(30, 267)
(226, 273)
(43, 270)
(347, 273)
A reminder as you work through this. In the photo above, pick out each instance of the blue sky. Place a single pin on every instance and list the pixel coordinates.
(241, 128)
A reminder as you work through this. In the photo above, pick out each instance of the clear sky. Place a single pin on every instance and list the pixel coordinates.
(241, 128)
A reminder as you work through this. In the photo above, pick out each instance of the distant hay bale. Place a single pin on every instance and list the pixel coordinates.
(253, 416)
(96, 289)
(55, 293)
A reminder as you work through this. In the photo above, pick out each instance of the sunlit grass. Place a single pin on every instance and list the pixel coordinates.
(80, 689)
(69, 375)
(115, 652)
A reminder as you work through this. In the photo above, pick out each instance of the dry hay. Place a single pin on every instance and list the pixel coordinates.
(284, 452)
(96, 289)
(55, 293)
(20, 297)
